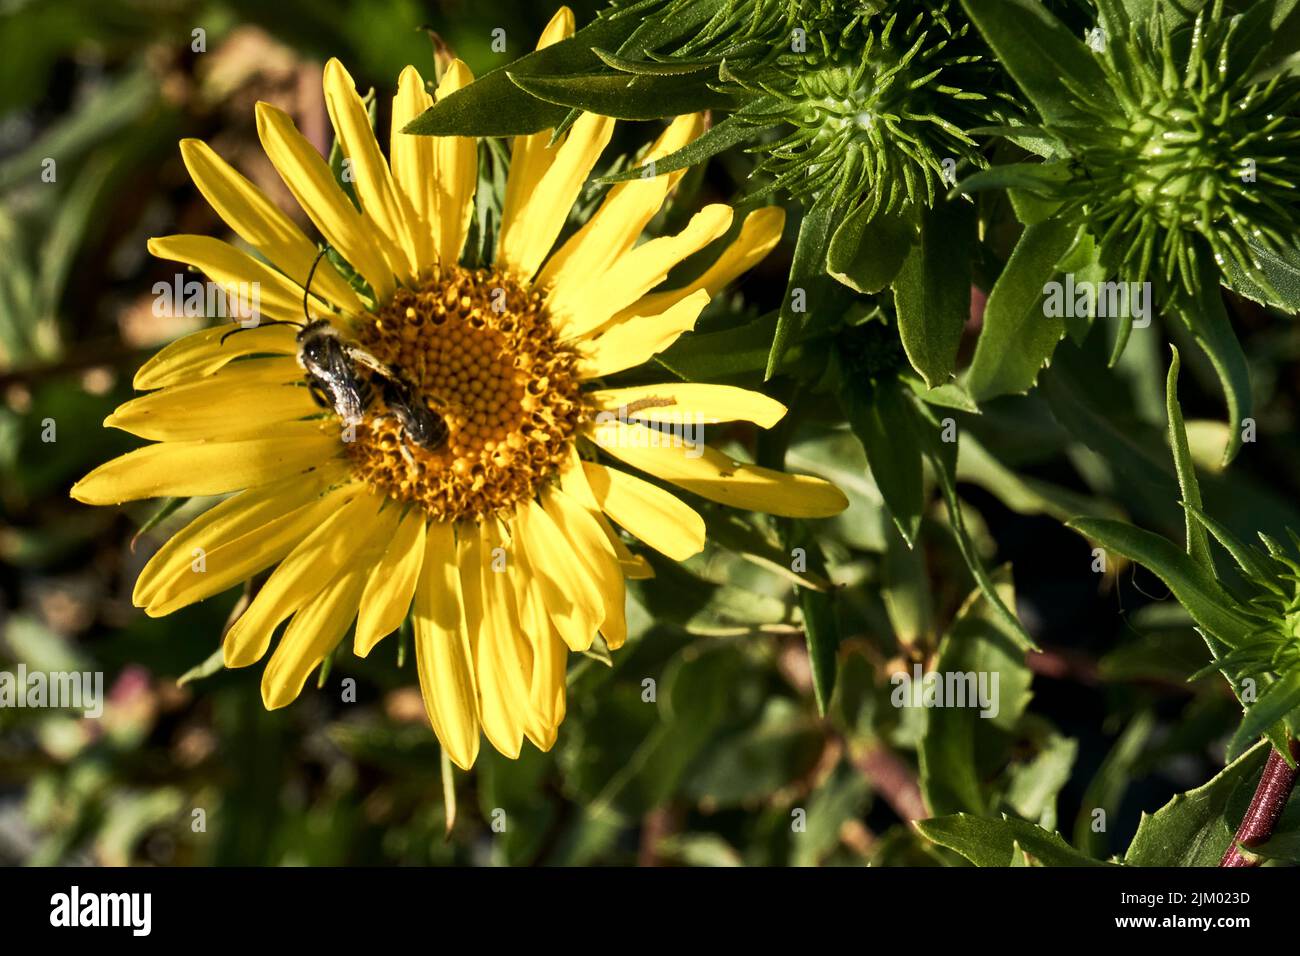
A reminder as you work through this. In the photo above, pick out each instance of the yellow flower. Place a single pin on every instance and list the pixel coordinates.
(498, 541)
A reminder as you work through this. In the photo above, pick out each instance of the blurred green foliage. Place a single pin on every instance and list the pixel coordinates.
(702, 742)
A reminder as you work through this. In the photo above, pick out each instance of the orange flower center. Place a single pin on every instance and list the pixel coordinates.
(479, 350)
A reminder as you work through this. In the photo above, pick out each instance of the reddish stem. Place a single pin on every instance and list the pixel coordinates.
(1275, 786)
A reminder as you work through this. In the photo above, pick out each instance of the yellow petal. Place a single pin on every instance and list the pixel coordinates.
(341, 542)
(550, 659)
(234, 540)
(443, 655)
(572, 598)
(184, 469)
(585, 304)
(615, 227)
(503, 695)
(710, 474)
(529, 156)
(455, 164)
(593, 550)
(634, 341)
(315, 630)
(309, 178)
(240, 400)
(648, 512)
(559, 28)
(543, 202)
(258, 221)
(384, 208)
(759, 234)
(573, 479)
(203, 352)
(413, 165)
(392, 584)
(677, 402)
(254, 290)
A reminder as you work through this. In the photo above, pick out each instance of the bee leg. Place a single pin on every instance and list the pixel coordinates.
(318, 394)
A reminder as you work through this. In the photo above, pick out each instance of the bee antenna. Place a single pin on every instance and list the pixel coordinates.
(248, 328)
(310, 274)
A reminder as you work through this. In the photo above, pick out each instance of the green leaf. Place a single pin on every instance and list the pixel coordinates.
(822, 632)
(1022, 493)
(1039, 179)
(730, 132)
(987, 842)
(869, 247)
(755, 761)
(1198, 543)
(1106, 791)
(673, 67)
(1248, 559)
(1194, 829)
(1208, 320)
(932, 291)
(884, 422)
(840, 799)
(807, 287)
(214, 663)
(1041, 53)
(1018, 338)
(740, 352)
(165, 510)
(1135, 455)
(1117, 15)
(1194, 587)
(1277, 701)
(1034, 786)
(905, 587)
(1285, 39)
(951, 395)
(943, 460)
(494, 105)
(1280, 271)
(623, 96)
(951, 780)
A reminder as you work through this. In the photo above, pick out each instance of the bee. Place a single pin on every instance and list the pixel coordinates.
(333, 369)
(422, 425)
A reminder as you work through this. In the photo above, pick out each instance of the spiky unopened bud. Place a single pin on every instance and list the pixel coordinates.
(1196, 155)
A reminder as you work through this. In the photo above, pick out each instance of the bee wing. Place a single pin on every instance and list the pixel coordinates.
(347, 389)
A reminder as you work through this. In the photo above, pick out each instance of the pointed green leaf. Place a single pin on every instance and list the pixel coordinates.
(1194, 587)
(951, 780)
(822, 632)
(987, 842)
(1208, 319)
(1040, 52)
(1195, 828)
(1248, 559)
(1276, 702)
(932, 291)
(867, 250)
(808, 286)
(1018, 338)
(883, 421)
(1279, 271)
(1198, 543)
(624, 96)
(493, 105)
(943, 460)
(1039, 179)
(730, 132)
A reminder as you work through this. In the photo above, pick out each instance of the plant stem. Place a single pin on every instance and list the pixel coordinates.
(1275, 786)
